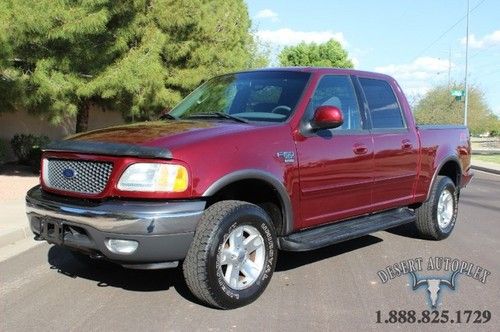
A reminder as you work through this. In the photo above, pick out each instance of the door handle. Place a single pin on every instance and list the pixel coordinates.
(359, 148)
(406, 144)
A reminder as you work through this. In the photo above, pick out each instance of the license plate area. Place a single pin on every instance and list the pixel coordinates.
(52, 230)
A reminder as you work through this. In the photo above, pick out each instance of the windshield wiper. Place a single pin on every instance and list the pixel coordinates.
(232, 117)
(219, 115)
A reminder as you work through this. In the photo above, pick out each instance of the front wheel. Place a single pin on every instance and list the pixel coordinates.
(233, 255)
(436, 218)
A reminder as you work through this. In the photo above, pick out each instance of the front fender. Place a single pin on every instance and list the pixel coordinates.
(255, 174)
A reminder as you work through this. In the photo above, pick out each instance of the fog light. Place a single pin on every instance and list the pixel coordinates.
(121, 246)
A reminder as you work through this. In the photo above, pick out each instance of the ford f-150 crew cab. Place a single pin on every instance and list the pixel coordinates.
(248, 164)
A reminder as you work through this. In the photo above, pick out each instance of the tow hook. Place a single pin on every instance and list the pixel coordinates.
(96, 255)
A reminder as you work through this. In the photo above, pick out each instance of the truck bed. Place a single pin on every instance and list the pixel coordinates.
(440, 144)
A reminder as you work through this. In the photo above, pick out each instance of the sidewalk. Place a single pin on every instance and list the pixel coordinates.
(13, 222)
(486, 166)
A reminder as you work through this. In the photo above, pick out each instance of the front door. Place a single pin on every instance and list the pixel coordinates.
(336, 164)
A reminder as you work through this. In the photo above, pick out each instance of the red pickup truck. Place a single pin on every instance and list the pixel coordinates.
(248, 164)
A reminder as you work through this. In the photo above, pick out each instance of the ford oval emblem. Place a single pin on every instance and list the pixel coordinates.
(69, 173)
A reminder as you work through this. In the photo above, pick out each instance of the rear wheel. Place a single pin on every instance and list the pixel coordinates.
(233, 255)
(436, 218)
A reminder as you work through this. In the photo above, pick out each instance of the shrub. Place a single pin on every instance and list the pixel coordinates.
(3, 152)
(35, 157)
(27, 148)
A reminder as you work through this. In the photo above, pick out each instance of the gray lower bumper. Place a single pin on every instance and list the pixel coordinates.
(164, 230)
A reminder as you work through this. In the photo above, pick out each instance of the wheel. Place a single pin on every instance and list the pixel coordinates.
(436, 218)
(233, 255)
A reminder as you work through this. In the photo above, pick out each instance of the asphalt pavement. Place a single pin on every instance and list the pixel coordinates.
(335, 288)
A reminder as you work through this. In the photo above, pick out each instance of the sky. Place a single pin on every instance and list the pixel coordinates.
(421, 43)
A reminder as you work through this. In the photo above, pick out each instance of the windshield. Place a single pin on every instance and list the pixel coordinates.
(269, 96)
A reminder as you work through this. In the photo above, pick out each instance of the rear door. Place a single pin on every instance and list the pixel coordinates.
(335, 164)
(395, 145)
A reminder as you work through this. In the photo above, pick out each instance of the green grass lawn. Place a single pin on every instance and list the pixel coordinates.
(491, 158)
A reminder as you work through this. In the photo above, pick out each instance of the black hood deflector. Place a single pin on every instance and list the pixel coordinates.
(108, 149)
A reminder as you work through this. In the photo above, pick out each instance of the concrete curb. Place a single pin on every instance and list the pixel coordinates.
(486, 169)
(14, 235)
(485, 151)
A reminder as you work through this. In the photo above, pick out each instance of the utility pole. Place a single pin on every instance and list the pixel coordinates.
(449, 67)
(466, 66)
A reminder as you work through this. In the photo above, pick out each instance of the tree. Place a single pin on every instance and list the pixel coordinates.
(10, 88)
(62, 57)
(438, 106)
(329, 54)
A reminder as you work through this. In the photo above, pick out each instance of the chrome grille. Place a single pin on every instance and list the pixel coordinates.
(79, 176)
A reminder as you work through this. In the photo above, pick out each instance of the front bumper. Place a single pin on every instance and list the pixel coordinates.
(164, 230)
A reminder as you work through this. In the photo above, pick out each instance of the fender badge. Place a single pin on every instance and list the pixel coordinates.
(286, 156)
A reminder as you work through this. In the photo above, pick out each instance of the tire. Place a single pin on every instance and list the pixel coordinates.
(274, 212)
(213, 255)
(429, 224)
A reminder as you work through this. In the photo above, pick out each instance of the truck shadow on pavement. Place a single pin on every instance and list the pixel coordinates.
(288, 260)
(107, 274)
(406, 230)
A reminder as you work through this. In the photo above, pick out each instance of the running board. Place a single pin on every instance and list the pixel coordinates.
(345, 230)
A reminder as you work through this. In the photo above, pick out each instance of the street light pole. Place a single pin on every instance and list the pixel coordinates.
(466, 66)
(449, 68)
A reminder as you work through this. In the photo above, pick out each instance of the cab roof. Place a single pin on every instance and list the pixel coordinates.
(324, 70)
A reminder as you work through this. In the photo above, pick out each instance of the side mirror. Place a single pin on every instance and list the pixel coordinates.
(327, 117)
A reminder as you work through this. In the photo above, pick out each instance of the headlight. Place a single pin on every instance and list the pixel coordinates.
(154, 177)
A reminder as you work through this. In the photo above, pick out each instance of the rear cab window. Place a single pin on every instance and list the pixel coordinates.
(385, 110)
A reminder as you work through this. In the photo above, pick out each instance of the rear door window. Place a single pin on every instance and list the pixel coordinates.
(384, 107)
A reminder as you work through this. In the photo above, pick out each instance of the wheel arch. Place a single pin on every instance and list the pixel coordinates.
(450, 167)
(264, 178)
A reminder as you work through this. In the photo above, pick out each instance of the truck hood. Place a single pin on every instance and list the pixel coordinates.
(161, 133)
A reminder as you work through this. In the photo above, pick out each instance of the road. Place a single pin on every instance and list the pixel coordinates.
(335, 288)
